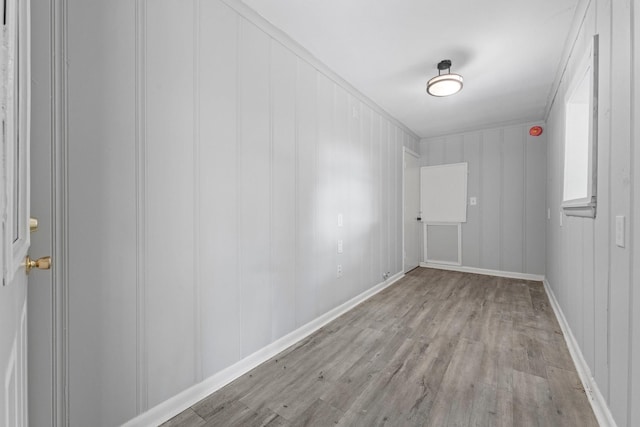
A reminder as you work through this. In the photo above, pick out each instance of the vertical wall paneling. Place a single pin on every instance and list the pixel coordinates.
(170, 158)
(588, 296)
(376, 231)
(491, 199)
(512, 213)
(254, 188)
(141, 211)
(340, 177)
(592, 277)
(283, 189)
(391, 182)
(41, 312)
(364, 208)
(436, 153)
(535, 214)
(99, 150)
(384, 195)
(213, 157)
(218, 157)
(453, 149)
(471, 228)
(197, 213)
(601, 23)
(307, 194)
(620, 205)
(634, 418)
(399, 251)
(326, 216)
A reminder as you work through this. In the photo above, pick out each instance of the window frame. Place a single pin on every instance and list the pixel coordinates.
(585, 206)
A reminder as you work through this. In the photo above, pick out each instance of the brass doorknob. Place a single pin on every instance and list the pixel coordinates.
(43, 263)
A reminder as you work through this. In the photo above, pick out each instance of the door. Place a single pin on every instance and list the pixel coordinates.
(412, 224)
(14, 189)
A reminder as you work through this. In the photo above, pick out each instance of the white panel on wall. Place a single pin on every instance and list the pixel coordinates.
(443, 193)
(218, 159)
(254, 187)
(170, 183)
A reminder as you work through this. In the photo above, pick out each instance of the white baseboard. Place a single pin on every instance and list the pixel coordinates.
(178, 403)
(598, 403)
(487, 272)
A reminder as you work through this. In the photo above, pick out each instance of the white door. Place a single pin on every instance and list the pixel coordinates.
(412, 224)
(14, 202)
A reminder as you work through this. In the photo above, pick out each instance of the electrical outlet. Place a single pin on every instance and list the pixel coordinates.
(339, 271)
(473, 201)
(340, 246)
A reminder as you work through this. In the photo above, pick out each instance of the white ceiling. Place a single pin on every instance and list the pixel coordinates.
(508, 52)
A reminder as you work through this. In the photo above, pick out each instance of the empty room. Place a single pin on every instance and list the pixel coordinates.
(320, 213)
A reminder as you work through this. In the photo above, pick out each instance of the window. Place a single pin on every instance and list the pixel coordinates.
(581, 129)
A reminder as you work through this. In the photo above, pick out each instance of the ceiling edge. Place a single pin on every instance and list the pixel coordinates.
(500, 125)
(287, 41)
(577, 23)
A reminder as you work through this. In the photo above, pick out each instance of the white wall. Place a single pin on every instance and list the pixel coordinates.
(595, 281)
(505, 230)
(208, 159)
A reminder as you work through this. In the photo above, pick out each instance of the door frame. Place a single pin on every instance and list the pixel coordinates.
(405, 151)
(51, 41)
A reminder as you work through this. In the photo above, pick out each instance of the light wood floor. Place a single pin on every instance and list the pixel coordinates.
(438, 348)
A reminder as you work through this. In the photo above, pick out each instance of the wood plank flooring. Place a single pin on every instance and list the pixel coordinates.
(438, 348)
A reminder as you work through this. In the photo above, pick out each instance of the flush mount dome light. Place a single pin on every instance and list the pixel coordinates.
(444, 84)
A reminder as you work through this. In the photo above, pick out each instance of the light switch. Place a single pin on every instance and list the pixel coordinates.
(620, 230)
(473, 201)
(548, 213)
(340, 246)
(340, 220)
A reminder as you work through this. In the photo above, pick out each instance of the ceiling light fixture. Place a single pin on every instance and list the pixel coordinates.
(444, 84)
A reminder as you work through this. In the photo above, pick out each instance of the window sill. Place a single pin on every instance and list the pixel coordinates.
(581, 209)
